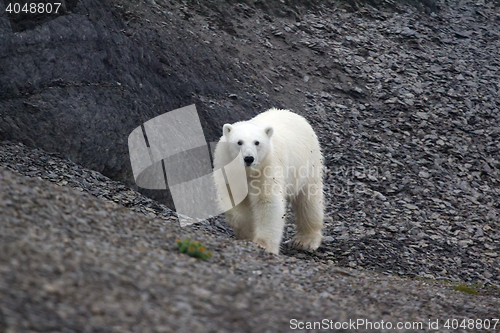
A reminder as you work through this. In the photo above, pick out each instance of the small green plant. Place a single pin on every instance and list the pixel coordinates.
(466, 289)
(194, 249)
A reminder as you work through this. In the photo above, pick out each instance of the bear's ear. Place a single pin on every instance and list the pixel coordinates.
(269, 131)
(227, 129)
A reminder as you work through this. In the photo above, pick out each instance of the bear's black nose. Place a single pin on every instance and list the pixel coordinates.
(248, 160)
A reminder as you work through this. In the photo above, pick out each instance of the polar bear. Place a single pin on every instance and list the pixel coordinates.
(283, 163)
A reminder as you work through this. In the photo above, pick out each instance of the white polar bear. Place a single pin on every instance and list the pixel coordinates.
(283, 162)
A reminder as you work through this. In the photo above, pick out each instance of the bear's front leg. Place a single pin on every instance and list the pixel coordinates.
(269, 216)
(241, 219)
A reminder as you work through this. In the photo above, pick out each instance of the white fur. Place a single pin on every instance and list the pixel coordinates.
(287, 166)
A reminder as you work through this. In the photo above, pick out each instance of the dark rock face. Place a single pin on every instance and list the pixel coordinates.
(79, 84)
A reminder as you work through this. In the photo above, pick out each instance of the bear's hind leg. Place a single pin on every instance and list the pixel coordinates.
(308, 208)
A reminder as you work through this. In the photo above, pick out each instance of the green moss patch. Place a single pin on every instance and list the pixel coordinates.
(466, 289)
(194, 249)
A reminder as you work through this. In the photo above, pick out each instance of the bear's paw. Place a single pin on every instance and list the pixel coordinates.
(307, 242)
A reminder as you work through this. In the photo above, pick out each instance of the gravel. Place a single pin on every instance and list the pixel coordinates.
(406, 106)
(71, 261)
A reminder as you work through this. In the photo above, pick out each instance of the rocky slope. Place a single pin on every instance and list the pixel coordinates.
(71, 262)
(406, 105)
(79, 83)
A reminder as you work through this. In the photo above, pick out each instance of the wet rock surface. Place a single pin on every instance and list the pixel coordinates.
(405, 102)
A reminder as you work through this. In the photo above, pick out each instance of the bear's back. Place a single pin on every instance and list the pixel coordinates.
(295, 145)
(290, 129)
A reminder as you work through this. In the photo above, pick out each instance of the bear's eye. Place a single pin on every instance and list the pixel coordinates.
(240, 143)
(257, 143)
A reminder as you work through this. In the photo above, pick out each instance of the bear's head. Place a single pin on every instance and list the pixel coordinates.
(252, 140)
